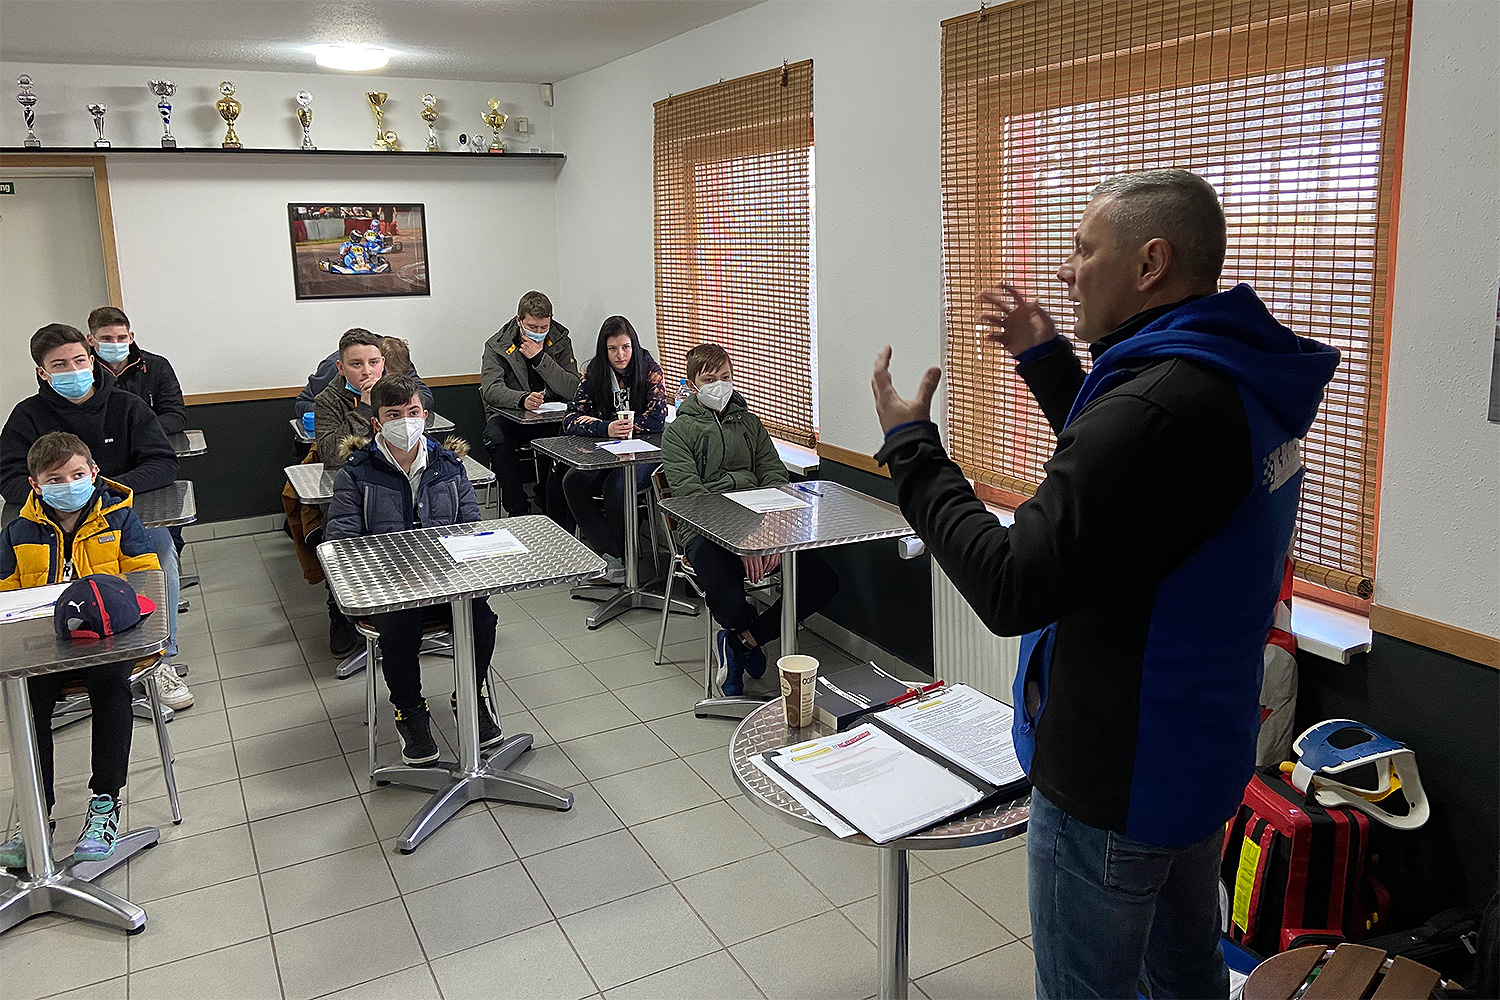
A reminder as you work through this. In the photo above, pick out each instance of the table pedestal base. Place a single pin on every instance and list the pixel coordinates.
(70, 892)
(453, 788)
(350, 665)
(729, 707)
(617, 601)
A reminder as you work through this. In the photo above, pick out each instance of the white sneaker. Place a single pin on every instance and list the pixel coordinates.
(174, 691)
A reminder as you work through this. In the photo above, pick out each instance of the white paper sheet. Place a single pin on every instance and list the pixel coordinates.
(553, 407)
(820, 812)
(869, 778)
(483, 545)
(965, 726)
(628, 446)
(766, 500)
(33, 602)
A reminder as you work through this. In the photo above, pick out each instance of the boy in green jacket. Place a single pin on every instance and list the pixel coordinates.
(717, 445)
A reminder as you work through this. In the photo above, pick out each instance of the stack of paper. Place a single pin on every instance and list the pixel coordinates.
(766, 500)
(33, 602)
(962, 725)
(628, 446)
(482, 545)
(552, 407)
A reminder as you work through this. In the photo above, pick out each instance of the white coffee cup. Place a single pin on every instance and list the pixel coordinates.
(629, 417)
(798, 674)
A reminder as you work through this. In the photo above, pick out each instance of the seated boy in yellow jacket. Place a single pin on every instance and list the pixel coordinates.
(76, 522)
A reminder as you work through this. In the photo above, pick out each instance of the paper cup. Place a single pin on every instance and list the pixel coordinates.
(797, 676)
(629, 417)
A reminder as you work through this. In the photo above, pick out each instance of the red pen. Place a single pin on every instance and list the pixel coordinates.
(915, 692)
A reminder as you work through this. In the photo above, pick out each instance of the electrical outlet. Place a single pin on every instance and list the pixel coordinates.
(523, 126)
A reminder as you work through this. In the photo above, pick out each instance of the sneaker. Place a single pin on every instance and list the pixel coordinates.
(489, 729)
(414, 728)
(753, 659)
(173, 689)
(342, 639)
(100, 828)
(614, 572)
(731, 670)
(13, 851)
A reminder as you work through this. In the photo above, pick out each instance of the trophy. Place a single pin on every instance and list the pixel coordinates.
(430, 116)
(97, 110)
(229, 110)
(28, 111)
(304, 115)
(392, 142)
(496, 121)
(385, 139)
(164, 89)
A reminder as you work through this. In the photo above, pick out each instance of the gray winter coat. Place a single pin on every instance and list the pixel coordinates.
(504, 379)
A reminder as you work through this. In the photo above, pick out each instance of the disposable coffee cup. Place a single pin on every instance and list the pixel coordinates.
(629, 417)
(797, 676)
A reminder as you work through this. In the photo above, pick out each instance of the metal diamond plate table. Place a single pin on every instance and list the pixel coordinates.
(531, 417)
(373, 574)
(313, 483)
(580, 452)
(31, 650)
(168, 507)
(834, 515)
(188, 443)
(765, 729)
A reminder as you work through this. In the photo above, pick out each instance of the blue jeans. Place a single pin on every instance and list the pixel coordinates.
(166, 554)
(1108, 911)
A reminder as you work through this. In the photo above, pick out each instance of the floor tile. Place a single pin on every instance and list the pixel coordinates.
(391, 807)
(193, 769)
(713, 767)
(251, 636)
(457, 915)
(412, 984)
(345, 950)
(821, 957)
(269, 716)
(1007, 973)
(212, 807)
(192, 923)
(715, 975)
(257, 659)
(242, 972)
(751, 897)
(541, 604)
(998, 886)
(313, 890)
(842, 872)
(286, 748)
(581, 717)
(658, 790)
(192, 863)
(316, 832)
(260, 606)
(617, 750)
(687, 734)
(585, 874)
(604, 645)
(537, 963)
(523, 661)
(942, 861)
(658, 699)
(62, 957)
(469, 842)
(553, 686)
(697, 840)
(297, 787)
(945, 927)
(550, 764)
(777, 831)
(268, 685)
(190, 730)
(608, 938)
(110, 989)
(519, 635)
(532, 830)
(630, 669)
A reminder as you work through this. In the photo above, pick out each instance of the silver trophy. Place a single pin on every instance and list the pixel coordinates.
(28, 111)
(304, 115)
(164, 89)
(429, 114)
(97, 110)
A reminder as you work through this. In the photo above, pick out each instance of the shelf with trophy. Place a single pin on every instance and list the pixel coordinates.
(387, 142)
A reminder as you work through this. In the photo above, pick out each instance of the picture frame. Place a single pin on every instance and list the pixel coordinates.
(358, 249)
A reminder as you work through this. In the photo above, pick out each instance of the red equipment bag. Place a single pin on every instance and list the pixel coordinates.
(1297, 872)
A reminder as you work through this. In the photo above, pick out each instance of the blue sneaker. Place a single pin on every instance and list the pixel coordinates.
(13, 851)
(754, 662)
(731, 669)
(100, 828)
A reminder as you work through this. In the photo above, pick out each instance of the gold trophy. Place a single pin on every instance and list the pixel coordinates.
(304, 116)
(385, 139)
(229, 110)
(496, 121)
(429, 115)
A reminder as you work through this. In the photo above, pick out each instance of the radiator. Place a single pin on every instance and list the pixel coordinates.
(963, 650)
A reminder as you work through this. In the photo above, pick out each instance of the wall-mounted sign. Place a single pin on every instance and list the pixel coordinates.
(7, 187)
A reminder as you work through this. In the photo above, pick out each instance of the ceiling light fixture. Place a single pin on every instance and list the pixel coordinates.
(353, 58)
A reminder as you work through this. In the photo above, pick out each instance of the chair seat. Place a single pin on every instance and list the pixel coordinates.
(367, 628)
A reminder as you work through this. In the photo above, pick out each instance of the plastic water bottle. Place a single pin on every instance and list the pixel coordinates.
(683, 392)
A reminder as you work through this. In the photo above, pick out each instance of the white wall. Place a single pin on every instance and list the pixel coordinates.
(204, 249)
(876, 98)
(1439, 554)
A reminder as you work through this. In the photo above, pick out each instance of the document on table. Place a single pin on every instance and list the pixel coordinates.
(628, 446)
(553, 407)
(482, 545)
(871, 780)
(33, 602)
(965, 726)
(766, 500)
(820, 812)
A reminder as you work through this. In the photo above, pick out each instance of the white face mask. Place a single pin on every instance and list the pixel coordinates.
(404, 433)
(716, 395)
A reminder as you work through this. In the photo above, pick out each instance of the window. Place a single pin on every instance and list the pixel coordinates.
(734, 252)
(1291, 108)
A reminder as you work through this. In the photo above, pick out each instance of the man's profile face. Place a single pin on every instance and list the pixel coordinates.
(362, 365)
(1102, 276)
(536, 324)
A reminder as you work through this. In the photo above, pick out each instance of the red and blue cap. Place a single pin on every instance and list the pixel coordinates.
(98, 605)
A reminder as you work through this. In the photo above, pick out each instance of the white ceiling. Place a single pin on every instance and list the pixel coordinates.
(522, 41)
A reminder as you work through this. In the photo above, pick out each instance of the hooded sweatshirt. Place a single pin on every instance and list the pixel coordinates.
(1145, 571)
(123, 434)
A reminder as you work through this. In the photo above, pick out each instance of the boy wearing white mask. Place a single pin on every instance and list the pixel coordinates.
(398, 480)
(714, 446)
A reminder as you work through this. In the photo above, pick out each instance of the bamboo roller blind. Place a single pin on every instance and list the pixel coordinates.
(733, 237)
(1291, 108)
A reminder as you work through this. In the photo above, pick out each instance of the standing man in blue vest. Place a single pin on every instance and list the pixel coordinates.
(1144, 575)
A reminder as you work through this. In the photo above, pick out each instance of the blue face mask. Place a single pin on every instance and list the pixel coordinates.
(349, 387)
(72, 385)
(68, 497)
(537, 337)
(112, 352)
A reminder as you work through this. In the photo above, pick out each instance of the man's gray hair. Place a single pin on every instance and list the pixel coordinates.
(1175, 205)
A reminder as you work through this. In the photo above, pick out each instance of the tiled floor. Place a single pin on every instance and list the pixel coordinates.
(663, 881)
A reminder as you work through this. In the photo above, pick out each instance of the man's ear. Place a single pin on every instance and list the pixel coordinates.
(35, 486)
(1154, 264)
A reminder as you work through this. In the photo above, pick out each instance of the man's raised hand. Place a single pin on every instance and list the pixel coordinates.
(889, 406)
(1015, 322)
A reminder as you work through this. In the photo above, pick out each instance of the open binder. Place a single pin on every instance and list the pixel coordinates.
(909, 767)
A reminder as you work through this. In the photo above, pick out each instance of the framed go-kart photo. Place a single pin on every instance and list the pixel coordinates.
(358, 251)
